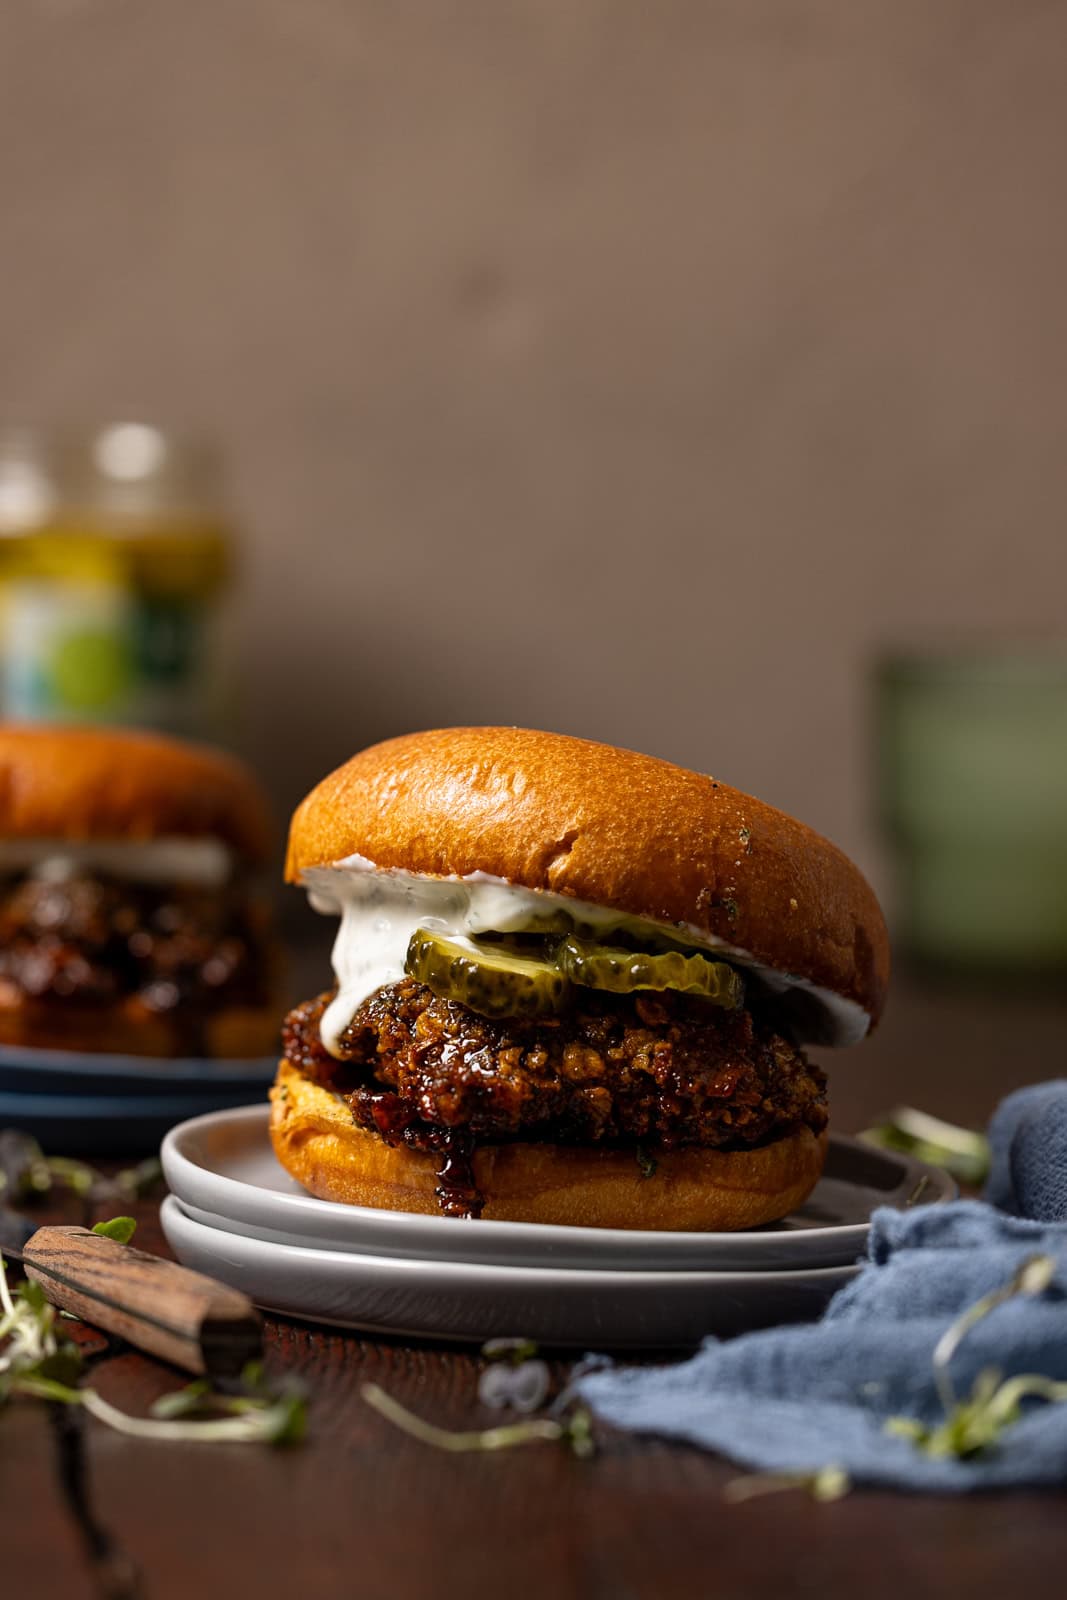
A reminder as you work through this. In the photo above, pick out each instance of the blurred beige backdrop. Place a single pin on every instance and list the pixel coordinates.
(630, 369)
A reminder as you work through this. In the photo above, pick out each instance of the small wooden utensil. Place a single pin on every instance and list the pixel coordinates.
(194, 1322)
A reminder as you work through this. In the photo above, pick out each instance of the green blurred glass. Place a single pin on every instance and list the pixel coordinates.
(972, 750)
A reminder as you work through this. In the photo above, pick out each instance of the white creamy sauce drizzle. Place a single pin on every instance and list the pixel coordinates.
(203, 862)
(381, 909)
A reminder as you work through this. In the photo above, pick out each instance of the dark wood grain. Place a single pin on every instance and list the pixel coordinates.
(362, 1510)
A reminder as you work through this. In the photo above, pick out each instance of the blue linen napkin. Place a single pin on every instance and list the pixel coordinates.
(1028, 1136)
(797, 1399)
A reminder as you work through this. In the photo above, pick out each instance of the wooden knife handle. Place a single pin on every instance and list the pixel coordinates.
(179, 1315)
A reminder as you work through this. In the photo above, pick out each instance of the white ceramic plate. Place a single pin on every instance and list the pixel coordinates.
(222, 1169)
(471, 1302)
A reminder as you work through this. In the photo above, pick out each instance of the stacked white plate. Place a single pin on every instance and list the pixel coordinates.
(235, 1214)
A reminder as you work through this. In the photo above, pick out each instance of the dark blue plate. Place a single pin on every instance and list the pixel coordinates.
(113, 1124)
(70, 1072)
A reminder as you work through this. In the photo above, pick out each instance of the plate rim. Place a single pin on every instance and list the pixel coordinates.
(178, 1165)
(490, 1272)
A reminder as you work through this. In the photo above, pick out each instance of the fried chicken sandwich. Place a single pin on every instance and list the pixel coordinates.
(573, 985)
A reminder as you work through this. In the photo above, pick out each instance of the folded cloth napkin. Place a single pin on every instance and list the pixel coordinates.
(1028, 1137)
(798, 1399)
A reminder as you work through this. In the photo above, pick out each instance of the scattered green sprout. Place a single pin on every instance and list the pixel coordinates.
(515, 1378)
(826, 1484)
(27, 1174)
(1033, 1277)
(38, 1362)
(575, 1430)
(514, 1351)
(28, 1343)
(73, 1175)
(215, 1418)
(121, 1229)
(975, 1423)
(140, 1179)
(959, 1151)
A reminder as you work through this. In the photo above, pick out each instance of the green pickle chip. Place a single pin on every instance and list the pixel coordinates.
(601, 966)
(504, 979)
(489, 979)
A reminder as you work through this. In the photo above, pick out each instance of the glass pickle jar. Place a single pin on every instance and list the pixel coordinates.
(115, 560)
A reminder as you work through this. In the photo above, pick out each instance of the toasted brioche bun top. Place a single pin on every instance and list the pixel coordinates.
(107, 783)
(620, 830)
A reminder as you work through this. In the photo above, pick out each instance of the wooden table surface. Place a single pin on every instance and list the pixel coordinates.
(362, 1510)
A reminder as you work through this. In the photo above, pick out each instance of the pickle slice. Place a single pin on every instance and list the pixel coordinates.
(490, 979)
(601, 966)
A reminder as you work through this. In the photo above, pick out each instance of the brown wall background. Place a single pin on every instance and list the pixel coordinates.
(627, 369)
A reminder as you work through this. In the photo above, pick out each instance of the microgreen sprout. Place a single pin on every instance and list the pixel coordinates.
(73, 1175)
(514, 1378)
(121, 1229)
(827, 1483)
(27, 1332)
(972, 1424)
(517, 1388)
(960, 1151)
(23, 1170)
(574, 1430)
(26, 1173)
(1033, 1277)
(514, 1351)
(239, 1420)
(138, 1180)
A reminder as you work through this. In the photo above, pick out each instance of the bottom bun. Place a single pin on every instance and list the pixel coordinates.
(129, 1028)
(316, 1141)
